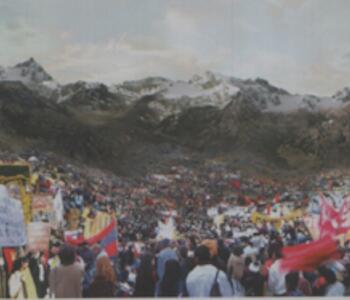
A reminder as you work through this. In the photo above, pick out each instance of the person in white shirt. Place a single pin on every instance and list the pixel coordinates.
(201, 279)
(276, 280)
(250, 251)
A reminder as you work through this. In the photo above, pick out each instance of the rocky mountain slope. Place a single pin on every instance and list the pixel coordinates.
(143, 125)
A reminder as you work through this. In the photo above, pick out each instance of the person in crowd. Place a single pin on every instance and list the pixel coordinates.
(334, 287)
(164, 255)
(170, 286)
(65, 281)
(54, 260)
(17, 288)
(39, 270)
(320, 284)
(202, 280)
(87, 254)
(21, 283)
(186, 264)
(145, 279)
(276, 277)
(304, 285)
(105, 281)
(253, 281)
(292, 285)
(223, 252)
(235, 265)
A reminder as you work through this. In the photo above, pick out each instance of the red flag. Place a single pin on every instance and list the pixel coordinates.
(107, 237)
(307, 257)
(10, 256)
(332, 221)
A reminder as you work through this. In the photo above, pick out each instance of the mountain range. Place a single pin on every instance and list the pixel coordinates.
(144, 125)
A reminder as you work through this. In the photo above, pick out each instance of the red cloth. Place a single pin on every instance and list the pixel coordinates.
(10, 256)
(307, 257)
(332, 221)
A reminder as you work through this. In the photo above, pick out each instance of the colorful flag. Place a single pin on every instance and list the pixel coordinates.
(107, 237)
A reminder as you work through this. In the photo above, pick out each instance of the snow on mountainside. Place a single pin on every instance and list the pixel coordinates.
(28, 72)
(343, 95)
(172, 97)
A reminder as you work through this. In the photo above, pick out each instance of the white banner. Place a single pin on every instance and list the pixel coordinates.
(38, 236)
(166, 230)
(58, 209)
(12, 227)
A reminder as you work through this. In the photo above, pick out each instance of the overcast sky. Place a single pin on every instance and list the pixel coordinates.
(300, 45)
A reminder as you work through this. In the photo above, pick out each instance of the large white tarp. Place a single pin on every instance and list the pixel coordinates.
(12, 227)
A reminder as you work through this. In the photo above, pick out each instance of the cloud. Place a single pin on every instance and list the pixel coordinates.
(20, 40)
(118, 60)
(301, 45)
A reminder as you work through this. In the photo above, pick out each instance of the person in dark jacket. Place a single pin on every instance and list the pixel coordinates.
(292, 283)
(104, 283)
(170, 286)
(253, 281)
(145, 279)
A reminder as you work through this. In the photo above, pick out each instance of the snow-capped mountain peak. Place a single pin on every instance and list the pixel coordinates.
(27, 72)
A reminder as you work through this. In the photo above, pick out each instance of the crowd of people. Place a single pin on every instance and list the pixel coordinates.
(233, 257)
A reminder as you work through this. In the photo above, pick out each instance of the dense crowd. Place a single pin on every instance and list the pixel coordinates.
(234, 257)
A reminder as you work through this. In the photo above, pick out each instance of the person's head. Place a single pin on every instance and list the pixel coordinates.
(275, 251)
(330, 276)
(18, 264)
(202, 255)
(164, 244)
(247, 261)
(237, 251)
(146, 264)
(183, 251)
(321, 271)
(104, 269)
(170, 281)
(42, 258)
(172, 269)
(67, 255)
(292, 281)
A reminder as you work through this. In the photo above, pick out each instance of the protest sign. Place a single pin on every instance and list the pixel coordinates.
(12, 227)
(42, 208)
(38, 236)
